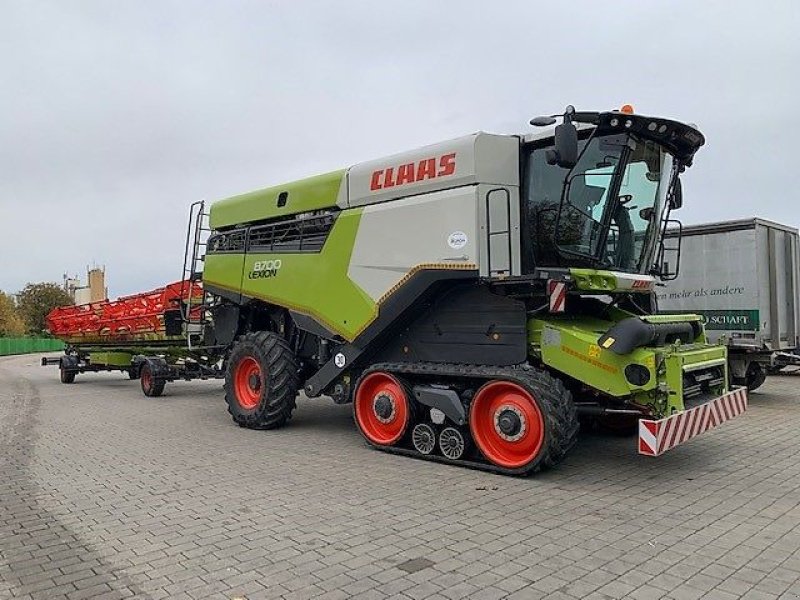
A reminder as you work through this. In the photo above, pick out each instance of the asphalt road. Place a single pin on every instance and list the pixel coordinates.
(107, 494)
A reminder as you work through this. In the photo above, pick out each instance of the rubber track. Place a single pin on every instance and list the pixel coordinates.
(559, 409)
(281, 367)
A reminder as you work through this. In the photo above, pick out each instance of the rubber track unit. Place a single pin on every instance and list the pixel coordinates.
(555, 399)
(280, 365)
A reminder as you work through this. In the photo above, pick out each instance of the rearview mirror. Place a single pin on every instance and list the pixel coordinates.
(565, 154)
(676, 200)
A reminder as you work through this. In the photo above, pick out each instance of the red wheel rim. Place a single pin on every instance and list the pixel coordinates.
(248, 380)
(506, 424)
(382, 410)
(147, 379)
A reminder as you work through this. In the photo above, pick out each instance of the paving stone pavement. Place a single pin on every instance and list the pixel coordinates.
(107, 494)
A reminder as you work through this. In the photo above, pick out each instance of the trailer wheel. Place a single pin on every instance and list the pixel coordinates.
(524, 427)
(261, 381)
(66, 376)
(152, 386)
(756, 376)
(67, 368)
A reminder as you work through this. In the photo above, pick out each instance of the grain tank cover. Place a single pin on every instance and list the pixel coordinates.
(305, 195)
(476, 158)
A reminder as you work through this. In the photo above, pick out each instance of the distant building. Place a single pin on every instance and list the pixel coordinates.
(95, 289)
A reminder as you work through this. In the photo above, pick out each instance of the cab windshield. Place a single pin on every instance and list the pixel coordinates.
(609, 213)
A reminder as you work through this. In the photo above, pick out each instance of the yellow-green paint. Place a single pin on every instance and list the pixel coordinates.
(111, 358)
(593, 280)
(305, 195)
(569, 344)
(315, 284)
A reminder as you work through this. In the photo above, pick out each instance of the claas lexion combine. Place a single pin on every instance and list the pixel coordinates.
(473, 299)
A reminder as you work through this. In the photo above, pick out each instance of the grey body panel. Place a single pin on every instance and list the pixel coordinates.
(394, 238)
(743, 275)
(472, 159)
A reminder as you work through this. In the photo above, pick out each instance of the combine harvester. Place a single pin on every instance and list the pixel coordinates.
(472, 298)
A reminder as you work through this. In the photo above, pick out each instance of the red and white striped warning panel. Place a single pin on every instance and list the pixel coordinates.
(557, 290)
(656, 437)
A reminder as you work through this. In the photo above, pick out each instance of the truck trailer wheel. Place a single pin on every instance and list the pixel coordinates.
(756, 376)
(151, 385)
(523, 427)
(261, 381)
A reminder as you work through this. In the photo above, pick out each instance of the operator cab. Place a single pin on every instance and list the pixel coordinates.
(598, 194)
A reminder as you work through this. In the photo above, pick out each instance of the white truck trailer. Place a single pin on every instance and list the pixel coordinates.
(743, 277)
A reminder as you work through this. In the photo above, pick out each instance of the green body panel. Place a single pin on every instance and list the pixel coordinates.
(568, 344)
(593, 280)
(315, 284)
(304, 195)
(224, 270)
(112, 358)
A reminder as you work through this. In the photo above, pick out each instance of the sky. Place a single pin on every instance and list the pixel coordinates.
(116, 116)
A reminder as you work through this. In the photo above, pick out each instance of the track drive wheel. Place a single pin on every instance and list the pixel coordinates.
(261, 381)
(152, 386)
(382, 408)
(523, 425)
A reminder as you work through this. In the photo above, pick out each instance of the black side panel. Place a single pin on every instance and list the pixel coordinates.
(467, 324)
(394, 315)
(226, 324)
(310, 325)
(173, 322)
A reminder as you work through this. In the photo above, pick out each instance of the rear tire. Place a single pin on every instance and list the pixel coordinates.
(261, 381)
(524, 425)
(756, 376)
(67, 376)
(152, 386)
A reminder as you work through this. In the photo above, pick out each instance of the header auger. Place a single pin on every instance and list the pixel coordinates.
(472, 298)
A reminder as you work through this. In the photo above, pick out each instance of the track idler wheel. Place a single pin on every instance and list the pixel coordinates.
(382, 408)
(453, 443)
(423, 437)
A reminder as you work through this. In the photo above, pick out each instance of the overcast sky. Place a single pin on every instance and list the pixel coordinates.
(115, 116)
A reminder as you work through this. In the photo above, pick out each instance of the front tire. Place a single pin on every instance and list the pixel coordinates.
(261, 381)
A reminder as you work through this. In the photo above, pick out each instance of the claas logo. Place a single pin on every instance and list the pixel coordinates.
(427, 168)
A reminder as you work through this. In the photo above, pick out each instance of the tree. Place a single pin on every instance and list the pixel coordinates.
(11, 324)
(36, 300)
